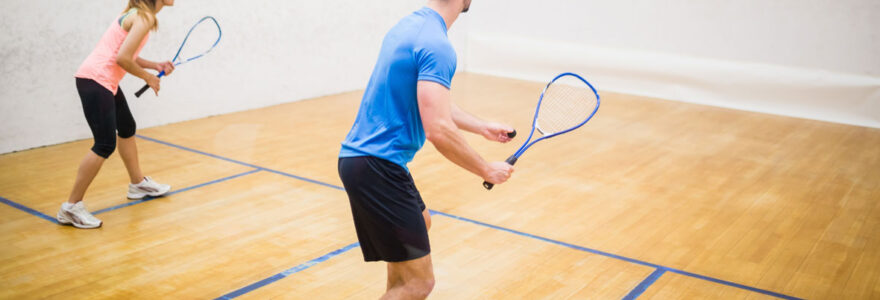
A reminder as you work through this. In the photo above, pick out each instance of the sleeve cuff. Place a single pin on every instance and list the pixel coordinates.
(442, 81)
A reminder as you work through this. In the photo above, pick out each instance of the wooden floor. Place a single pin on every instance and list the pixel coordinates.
(655, 198)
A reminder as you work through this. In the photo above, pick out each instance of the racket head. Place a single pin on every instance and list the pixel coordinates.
(200, 40)
(566, 103)
(569, 101)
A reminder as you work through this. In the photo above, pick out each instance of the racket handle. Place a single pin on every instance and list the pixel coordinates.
(141, 91)
(512, 134)
(147, 86)
(510, 161)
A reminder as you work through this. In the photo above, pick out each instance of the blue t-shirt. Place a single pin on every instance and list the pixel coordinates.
(388, 124)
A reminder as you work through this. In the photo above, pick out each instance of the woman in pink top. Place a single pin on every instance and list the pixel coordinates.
(106, 110)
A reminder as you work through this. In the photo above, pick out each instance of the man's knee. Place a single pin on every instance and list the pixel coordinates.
(420, 288)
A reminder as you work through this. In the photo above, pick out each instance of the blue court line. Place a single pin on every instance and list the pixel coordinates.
(130, 203)
(287, 272)
(332, 186)
(197, 151)
(733, 284)
(623, 258)
(241, 163)
(148, 198)
(643, 286)
(635, 261)
(28, 210)
(564, 244)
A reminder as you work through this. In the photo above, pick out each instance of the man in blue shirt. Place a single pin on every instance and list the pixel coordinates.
(407, 101)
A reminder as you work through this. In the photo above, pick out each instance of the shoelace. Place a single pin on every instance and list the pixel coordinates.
(82, 211)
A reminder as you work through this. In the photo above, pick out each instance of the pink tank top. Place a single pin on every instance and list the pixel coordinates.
(101, 64)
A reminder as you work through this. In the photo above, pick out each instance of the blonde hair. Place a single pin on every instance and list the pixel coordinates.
(146, 9)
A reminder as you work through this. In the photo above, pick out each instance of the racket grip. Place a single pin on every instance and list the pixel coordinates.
(147, 86)
(141, 91)
(510, 161)
(512, 134)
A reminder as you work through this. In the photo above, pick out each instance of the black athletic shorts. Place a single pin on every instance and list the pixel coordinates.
(387, 209)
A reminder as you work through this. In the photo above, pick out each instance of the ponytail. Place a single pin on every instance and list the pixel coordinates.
(146, 9)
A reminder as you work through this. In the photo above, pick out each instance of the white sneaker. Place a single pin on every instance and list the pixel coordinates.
(78, 216)
(147, 187)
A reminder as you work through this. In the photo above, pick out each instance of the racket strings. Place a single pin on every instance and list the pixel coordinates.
(200, 40)
(565, 105)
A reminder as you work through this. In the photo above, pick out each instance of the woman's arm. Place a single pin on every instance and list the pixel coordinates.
(165, 66)
(125, 58)
(146, 64)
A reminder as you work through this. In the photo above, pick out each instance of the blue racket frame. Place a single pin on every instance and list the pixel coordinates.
(528, 143)
(176, 60)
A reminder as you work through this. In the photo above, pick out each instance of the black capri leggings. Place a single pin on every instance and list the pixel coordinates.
(106, 115)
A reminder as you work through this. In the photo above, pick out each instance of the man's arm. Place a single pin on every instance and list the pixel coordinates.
(490, 130)
(436, 111)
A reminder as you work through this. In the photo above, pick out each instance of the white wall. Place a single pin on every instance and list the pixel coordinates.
(815, 59)
(805, 58)
(272, 52)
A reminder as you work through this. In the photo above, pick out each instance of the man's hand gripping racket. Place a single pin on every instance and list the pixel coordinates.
(566, 103)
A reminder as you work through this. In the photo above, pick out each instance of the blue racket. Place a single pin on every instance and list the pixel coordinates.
(202, 39)
(566, 103)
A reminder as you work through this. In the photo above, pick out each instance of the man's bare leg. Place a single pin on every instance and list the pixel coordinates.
(415, 279)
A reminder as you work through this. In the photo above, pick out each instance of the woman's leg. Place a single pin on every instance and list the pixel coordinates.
(127, 145)
(88, 169)
(100, 112)
(98, 107)
(129, 154)
(140, 186)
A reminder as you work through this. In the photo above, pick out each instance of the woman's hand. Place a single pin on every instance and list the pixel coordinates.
(153, 82)
(166, 67)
